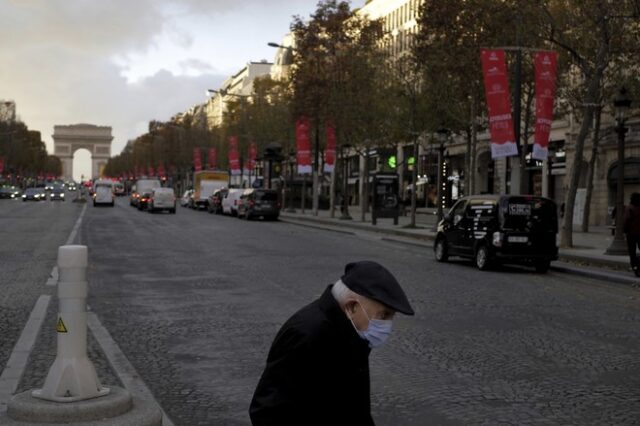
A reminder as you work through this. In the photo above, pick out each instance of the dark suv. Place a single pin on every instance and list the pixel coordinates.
(500, 229)
(259, 203)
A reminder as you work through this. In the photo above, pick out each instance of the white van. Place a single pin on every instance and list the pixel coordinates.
(162, 199)
(230, 202)
(103, 192)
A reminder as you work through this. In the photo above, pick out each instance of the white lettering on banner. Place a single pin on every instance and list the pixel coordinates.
(502, 117)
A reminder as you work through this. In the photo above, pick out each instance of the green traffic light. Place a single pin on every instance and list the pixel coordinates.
(391, 161)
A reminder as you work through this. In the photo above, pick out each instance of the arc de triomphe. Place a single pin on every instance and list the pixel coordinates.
(68, 139)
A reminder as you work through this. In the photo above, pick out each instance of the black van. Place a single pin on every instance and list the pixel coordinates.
(500, 229)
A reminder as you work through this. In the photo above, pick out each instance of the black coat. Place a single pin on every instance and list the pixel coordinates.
(317, 371)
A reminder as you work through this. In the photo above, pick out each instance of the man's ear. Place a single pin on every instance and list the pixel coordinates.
(350, 306)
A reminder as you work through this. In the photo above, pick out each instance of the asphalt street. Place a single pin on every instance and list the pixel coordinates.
(194, 301)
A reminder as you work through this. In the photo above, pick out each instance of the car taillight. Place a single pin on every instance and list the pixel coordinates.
(251, 203)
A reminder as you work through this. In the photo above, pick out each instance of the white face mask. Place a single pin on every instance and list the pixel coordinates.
(377, 332)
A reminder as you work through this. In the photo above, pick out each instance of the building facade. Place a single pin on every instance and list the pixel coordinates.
(238, 85)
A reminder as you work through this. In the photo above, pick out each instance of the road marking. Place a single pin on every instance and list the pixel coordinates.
(14, 369)
(121, 365)
(76, 227)
(53, 277)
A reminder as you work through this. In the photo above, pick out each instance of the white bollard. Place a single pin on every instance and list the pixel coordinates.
(72, 377)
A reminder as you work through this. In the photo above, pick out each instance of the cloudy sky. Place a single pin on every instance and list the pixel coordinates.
(121, 63)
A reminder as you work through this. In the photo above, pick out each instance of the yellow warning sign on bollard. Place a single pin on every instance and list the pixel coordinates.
(60, 327)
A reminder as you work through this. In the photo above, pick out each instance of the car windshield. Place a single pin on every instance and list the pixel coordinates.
(33, 191)
(529, 214)
(58, 190)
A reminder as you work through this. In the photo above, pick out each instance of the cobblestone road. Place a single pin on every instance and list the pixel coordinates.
(194, 301)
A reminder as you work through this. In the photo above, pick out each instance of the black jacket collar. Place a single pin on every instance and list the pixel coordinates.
(329, 305)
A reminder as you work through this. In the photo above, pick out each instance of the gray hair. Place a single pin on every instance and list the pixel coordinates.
(342, 293)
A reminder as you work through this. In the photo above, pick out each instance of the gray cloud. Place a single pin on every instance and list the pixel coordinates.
(58, 60)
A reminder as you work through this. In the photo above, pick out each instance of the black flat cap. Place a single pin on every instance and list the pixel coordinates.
(372, 280)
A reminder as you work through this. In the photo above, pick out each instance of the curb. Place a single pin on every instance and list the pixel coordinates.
(359, 226)
(601, 275)
(614, 277)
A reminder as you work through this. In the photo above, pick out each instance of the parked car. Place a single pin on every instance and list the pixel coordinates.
(493, 229)
(230, 201)
(184, 200)
(10, 192)
(259, 203)
(56, 194)
(215, 201)
(162, 199)
(34, 194)
(143, 201)
(103, 193)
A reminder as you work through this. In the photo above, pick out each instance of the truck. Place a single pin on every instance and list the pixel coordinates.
(204, 183)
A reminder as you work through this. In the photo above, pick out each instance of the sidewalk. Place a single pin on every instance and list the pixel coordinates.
(585, 258)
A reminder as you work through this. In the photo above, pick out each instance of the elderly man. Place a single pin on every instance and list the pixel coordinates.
(317, 371)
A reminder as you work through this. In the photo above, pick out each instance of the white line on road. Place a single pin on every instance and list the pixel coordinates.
(121, 365)
(74, 231)
(14, 369)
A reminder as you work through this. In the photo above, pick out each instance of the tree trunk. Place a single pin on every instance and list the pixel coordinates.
(332, 194)
(414, 180)
(592, 165)
(467, 164)
(468, 156)
(566, 233)
(524, 175)
(364, 197)
(474, 144)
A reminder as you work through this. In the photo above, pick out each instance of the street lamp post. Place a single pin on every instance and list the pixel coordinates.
(345, 184)
(243, 124)
(621, 103)
(442, 134)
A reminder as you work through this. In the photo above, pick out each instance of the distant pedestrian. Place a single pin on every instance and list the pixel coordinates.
(317, 370)
(632, 230)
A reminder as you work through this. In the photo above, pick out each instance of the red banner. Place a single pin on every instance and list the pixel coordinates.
(496, 87)
(545, 65)
(303, 144)
(1, 165)
(330, 149)
(161, 171)
(151, 171)
(253, 154)
(212, 158)
(234, 157)
(197, 160)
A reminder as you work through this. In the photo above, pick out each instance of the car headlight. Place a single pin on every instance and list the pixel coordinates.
(24, 196)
